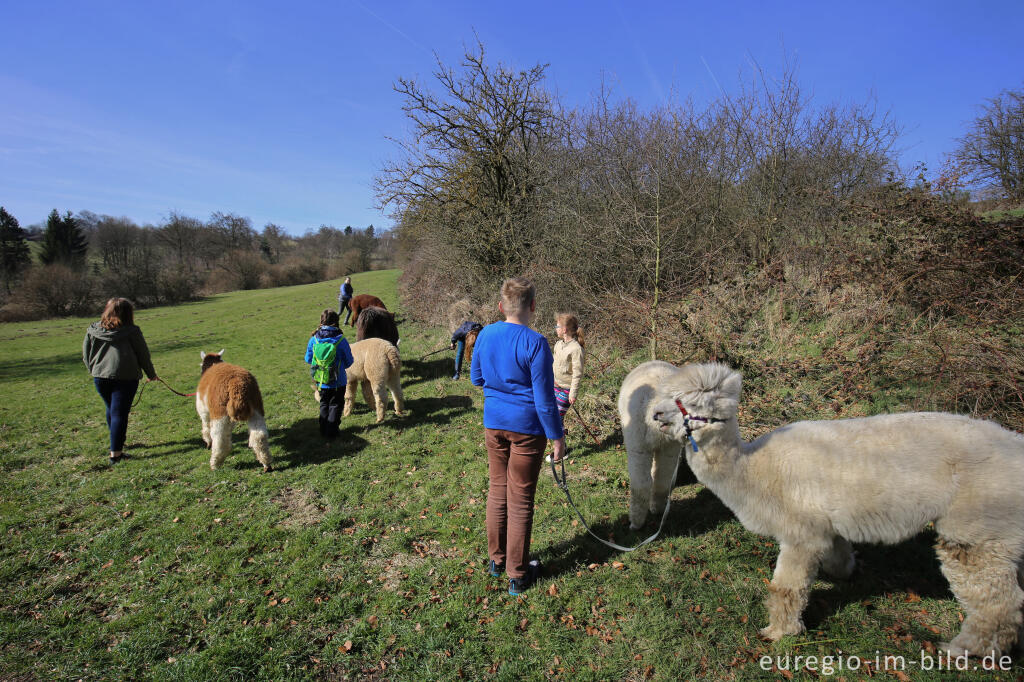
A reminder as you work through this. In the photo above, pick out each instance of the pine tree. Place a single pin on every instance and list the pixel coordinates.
(63, 241)
(14, 253)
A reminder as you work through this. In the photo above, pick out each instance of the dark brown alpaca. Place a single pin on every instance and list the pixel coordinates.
(377, 323)
(362, 302)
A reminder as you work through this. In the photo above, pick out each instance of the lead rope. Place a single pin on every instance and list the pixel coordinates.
(561, 483)
(138, 397)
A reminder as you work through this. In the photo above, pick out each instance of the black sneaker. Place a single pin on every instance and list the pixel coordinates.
(495, 569)
(516, 586)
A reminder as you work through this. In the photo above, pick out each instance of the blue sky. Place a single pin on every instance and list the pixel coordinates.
(282, 112)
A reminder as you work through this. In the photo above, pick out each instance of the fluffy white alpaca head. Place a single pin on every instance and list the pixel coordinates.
(707, 391)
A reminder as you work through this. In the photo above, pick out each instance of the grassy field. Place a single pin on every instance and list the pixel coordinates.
(364, 558)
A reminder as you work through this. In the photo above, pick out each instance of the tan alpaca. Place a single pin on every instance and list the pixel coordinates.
(377, 366)
(228, 393)
(817, 486)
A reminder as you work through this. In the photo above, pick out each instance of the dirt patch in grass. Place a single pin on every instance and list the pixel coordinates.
(303, 507)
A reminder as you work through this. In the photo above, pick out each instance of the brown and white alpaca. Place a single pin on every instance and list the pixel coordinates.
(229, 393)
(377, 366)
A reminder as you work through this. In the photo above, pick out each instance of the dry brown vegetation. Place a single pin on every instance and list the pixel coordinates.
(763, 230)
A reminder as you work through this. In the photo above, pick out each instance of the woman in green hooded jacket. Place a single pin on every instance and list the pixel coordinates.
(116, 354)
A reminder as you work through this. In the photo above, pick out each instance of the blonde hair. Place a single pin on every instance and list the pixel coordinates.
(570, 323)
(517, 293)
(119, 312)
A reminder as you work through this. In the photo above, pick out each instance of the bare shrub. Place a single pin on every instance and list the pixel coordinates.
(56, 291)
(177, 286)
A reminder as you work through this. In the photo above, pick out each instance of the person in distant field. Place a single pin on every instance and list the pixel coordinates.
(344, 296)
(329, 354)
(116, 354)
(513, 364)
(465, 335)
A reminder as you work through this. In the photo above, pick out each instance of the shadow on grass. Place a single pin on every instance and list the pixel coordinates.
(910, 566)
(438, 367)
(47, 365)
(419, 411)
(301, 444)
(693, 516)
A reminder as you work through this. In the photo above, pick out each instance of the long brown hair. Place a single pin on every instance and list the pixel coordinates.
(119, 312)
(328, 318)
(569, 322)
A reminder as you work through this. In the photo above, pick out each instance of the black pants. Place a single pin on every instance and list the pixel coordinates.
(331, 400)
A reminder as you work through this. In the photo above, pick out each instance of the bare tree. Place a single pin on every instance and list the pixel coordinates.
(992, 151)
(470, 168)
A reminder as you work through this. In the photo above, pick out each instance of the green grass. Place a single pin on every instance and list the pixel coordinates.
(364, 558)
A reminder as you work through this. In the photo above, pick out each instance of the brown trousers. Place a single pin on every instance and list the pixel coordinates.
(513, 463)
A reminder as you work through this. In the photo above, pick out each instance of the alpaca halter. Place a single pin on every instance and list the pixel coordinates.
(687, 418)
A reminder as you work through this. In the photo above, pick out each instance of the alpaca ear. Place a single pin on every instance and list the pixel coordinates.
(727, 396)
(202, 355)
(221, 352)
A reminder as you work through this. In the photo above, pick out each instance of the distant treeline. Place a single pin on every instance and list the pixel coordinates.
(75, 262)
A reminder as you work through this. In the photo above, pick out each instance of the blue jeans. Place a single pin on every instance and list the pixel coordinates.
(460, 348)
(117, 395)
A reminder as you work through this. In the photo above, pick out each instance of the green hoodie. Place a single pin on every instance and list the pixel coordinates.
(116, 353)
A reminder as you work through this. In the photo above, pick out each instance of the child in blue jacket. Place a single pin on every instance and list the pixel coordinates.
(332, 382)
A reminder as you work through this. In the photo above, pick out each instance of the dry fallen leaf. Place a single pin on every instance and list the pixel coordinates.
(346, 647)
(618, 565)
(372, 620)
(553, 590)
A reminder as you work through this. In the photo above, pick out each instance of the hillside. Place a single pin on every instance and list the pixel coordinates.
(365, 558)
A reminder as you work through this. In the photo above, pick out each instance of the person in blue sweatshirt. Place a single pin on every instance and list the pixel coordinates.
(329, 354)
(513, 365)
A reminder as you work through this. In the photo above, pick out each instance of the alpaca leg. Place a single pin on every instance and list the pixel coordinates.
(368, 393)
(984, 581)
(665, 460)
(350, 398)
(220, 433)
(840, 560)
(395, 384)
(790, 587)
(380, 394)
(204, 418)
(259, 440)
(639, 461)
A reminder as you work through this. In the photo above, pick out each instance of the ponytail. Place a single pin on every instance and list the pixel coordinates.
(569, 322)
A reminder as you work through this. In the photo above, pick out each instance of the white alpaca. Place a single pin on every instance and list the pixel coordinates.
(377, 366)
(652, 454)
(817, 486)
(229, 393)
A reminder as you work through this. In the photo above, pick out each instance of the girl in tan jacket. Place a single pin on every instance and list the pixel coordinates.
(568, 361)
